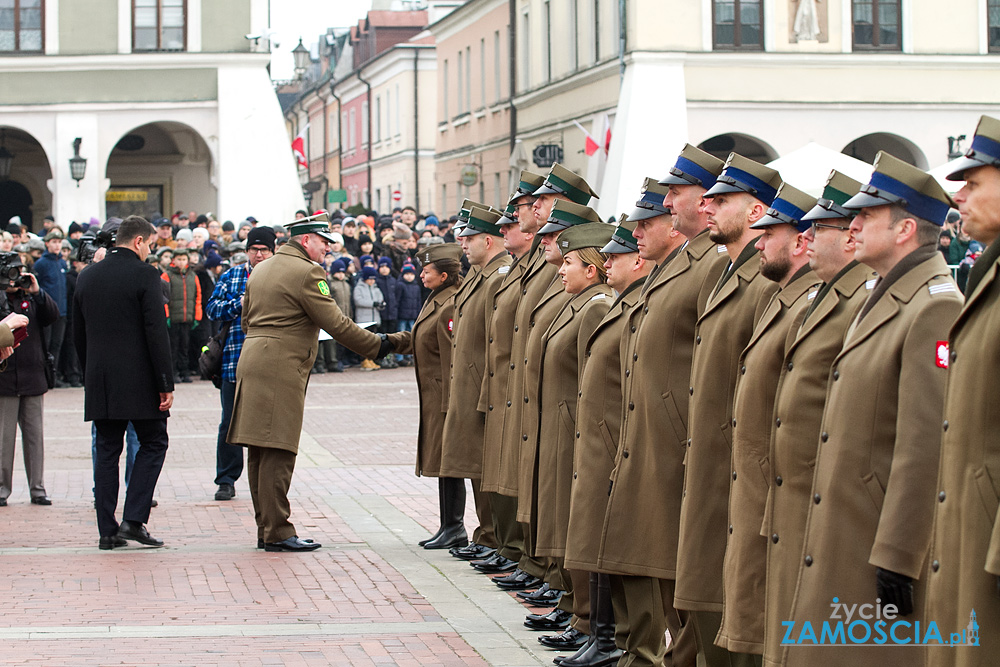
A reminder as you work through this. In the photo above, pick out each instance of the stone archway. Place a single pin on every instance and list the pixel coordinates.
(867, 147)
(158, 168)
(25, 193)
(721, 145)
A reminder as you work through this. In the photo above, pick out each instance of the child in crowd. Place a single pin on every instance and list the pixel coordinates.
(368, 303)
(409, 299)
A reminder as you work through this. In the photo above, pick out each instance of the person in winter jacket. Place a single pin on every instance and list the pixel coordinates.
(368, 303)
(183, 311)
(387, 285)
(409, 300)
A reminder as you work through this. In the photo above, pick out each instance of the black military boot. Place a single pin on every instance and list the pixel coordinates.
(440, 514)
(453, 519)
(601, 650)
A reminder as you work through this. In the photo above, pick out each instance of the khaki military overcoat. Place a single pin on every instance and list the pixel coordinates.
(721, 333)
(536, 324)
(742, 629)
(599, 414)
(964, 560)
(873, 488)
(464, 425)
(286, 303)
(499, 338)
(430, 345)
(564, 350)
(657, 345)
(798, 403)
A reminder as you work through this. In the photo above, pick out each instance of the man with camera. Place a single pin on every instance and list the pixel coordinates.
(23, 381)
(120, 331)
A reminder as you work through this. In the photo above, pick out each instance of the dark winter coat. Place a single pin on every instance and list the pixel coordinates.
(387, 285)
(409, 299)
(24, 374)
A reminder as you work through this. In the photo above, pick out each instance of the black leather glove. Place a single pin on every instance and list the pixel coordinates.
(895, 589)
(998, 585)
(385, 348)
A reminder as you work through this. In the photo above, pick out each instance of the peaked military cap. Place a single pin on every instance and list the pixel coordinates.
(788, 208)
(839, 188)
(318, 224)
(744, 175)
(896, 182)
(622, 242)
(694, 167)
(985, 150)
(588, 235)
(562, 181)
(508, 212)
(463, 214)
(439, 251)
(527, 183)
(566, 214)
(482, 221)
(650, 204)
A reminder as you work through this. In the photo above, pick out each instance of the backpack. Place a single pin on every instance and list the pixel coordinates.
(210, 361)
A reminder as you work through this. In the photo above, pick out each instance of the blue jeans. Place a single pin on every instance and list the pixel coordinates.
(228, 458)
(131, 447)
(403, 325)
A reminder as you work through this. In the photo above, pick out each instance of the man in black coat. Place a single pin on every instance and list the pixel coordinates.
(120, 331)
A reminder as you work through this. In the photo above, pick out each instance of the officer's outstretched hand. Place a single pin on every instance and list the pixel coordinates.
(385, 348)
(15, 321)
(895, 589)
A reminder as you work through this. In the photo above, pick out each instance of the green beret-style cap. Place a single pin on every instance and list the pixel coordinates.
(439, 251)
(839, 189)
(589, 235)
(566, 214)
(482, 221)
(562, 181)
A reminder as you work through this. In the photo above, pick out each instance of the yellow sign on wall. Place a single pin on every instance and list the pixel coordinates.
(126, 195)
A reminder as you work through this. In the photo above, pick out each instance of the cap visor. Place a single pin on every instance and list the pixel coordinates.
(552, 228)
(721, 189)
(545, 190)
(468, 231)
(645, 214)
(767, 221)
(326, 235)
(675, 180)
(957, 168)
(865, 200)
(616, 248)
(820, 213)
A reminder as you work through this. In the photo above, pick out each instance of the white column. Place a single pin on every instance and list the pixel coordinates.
(193, 26)
(650, 129)
(70, 202)
(124, 26)
(51, 19)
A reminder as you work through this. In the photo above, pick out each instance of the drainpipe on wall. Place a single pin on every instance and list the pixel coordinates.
(512, 62)
(416, 132)
(622, 32)
(369, 158)
(340, 134)
(326, 143)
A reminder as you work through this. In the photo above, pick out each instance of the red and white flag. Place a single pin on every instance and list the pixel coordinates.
(299, 149)
(592, 145)
(607, 134)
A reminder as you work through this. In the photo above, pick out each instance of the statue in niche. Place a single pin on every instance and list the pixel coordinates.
(806, 25)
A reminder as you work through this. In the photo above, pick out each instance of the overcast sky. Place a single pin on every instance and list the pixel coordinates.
(308, 19)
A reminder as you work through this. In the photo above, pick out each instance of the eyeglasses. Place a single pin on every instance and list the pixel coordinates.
(259, 251)
(823, 225)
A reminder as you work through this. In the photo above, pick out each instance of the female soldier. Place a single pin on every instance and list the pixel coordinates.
(430, 344)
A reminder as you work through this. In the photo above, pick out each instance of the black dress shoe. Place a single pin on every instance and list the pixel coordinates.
(570, 639)
(549, 598)
(557, 619)
(293, 543)
(225, 492)
(518, 580)
(153, 503)
(41, 500)
(495, 565)
(472, 552)
(130, 530)
(110, 542)
(3, 502)
(260, 542)
(531, 596)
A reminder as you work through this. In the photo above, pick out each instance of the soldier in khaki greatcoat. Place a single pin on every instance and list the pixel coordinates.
(656, 363)
(869, 525)
(783, 259)
(964, 564)
(462, 438)
(739, 198)
(818, 336)
(599, 417)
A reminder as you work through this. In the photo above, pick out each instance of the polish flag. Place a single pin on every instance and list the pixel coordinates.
(299, 149)
(590, 146)
(607, 134)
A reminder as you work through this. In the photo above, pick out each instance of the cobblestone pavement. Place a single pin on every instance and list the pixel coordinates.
(370, 596)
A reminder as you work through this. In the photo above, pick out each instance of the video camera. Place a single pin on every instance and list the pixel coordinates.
(10, 272)
(91, 240)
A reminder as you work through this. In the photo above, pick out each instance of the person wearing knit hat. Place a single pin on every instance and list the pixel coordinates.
(805, 375)
(546, 480)
(741, 195)
(384, 261)
(783, 259)
(598, 416)
(366, 260)
(883, 415)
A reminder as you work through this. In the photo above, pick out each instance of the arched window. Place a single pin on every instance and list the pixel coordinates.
(877, 25)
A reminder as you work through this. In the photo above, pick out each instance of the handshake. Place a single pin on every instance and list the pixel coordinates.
(385, 348)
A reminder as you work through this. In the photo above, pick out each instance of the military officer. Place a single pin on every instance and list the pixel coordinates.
(798, 403)
(500, 368)
(462, 438)
(599, 416)
(656, 362)
(964, 563)
(869, 525)
(740, 197)
(286, 303)
(783, 259)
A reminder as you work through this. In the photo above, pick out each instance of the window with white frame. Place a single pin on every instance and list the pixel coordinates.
(21, 26)
(159, 25)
